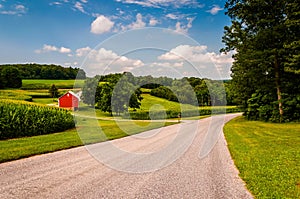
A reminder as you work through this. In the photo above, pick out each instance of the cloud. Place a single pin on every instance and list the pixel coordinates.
(163, 3)
(106, 60)
(179, 28)
(138, 23)
(16, 10)
(215, 9)
(64, 50)
(101, 25)
(83, 51)
(153, 22)
(172, 16)
(200, 58)
(79, 7)
(48, 48)
(55, 3)
(84, 1)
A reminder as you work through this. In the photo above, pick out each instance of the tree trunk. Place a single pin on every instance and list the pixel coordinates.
(277, 82)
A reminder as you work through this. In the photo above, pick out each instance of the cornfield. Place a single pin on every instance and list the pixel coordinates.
(23, 119)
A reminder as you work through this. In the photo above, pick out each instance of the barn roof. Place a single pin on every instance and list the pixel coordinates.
(72, 93)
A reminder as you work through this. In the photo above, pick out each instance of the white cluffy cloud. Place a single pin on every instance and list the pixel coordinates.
(100, 60)
(48, 48)
(138, 23)
(179, 28)
(195, 54)
(101, 25)
(199, 57)
(215, 9)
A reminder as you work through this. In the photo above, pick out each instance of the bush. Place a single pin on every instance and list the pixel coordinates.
(22, 119)
(154, 115)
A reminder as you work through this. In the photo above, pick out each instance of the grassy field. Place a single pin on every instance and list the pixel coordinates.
(267, 156)
(89, 133)
(32, 84)
(149, 101)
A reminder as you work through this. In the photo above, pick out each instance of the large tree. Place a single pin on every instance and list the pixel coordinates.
(259, 34)
(10, 77)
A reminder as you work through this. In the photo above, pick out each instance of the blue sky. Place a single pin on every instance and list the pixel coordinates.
(103, 36)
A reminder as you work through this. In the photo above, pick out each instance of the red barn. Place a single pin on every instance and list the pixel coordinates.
(69, 100)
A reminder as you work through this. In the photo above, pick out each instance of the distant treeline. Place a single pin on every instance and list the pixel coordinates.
(98, 91)
(11, 75)
(44, 71)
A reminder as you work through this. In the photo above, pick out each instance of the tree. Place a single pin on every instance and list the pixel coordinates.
(10, 77)
(53, 91)
(81, 74)
(292, 44)
(258, 34)
(103, 97)
(89, 91)
(116, 93)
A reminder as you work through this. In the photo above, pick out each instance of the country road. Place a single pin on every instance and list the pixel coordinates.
(186, 160)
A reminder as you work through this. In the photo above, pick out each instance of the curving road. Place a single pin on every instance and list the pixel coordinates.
(177, 161)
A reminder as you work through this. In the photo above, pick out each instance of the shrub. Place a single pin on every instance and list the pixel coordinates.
(22, 119)
(161, 114)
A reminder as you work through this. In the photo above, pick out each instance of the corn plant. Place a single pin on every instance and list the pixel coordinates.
(23, 119)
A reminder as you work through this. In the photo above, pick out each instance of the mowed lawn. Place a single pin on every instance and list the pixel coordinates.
(89, 131)
(149, 102)
(267, 156)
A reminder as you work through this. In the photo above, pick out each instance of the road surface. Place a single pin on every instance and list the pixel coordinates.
(191, 170)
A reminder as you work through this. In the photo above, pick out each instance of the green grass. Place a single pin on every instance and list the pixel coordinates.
(267, 156)
(150, 101)
(32, 84)
(88, 133)
(45, 101)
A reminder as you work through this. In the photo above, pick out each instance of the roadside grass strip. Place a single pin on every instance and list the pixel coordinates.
(267, 156)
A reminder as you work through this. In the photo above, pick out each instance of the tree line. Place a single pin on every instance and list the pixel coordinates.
(11, 75)
(266, 69)
(195, 91)
(120, 91)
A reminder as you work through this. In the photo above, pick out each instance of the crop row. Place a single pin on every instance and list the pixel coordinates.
(23, 119)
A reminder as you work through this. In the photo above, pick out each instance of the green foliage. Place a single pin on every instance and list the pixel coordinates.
(164, 92)
(15, 94)
(167, 114)
(43, 71)
(10, 77)
(103, 97)
(112, 93)
(187, 90)
(267, 56)
(89, 91)
(267, 156)
(53, 91)
(22, 119)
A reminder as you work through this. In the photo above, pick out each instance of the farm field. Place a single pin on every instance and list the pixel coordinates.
(267, 156)
(31, 84)
(36, 91)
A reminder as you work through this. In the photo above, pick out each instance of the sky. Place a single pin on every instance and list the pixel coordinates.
(173, 38)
